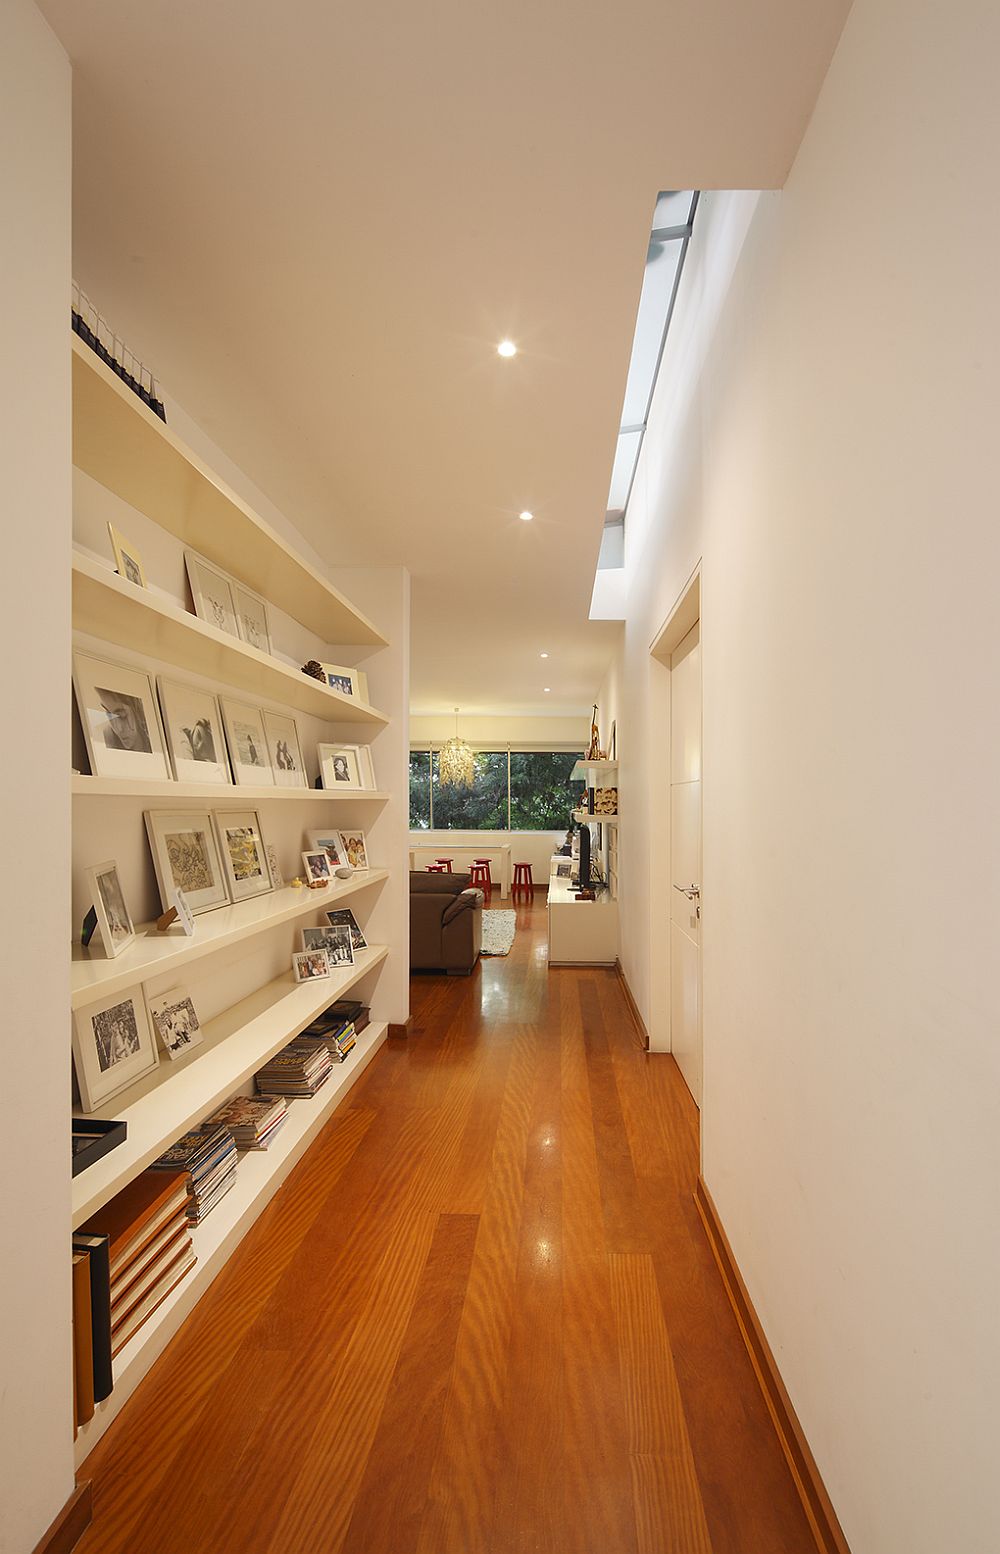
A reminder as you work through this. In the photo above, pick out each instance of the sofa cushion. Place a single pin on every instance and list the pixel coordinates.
(424, 884)
(466, 902)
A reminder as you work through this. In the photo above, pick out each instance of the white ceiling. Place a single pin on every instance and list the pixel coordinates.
(317, 220)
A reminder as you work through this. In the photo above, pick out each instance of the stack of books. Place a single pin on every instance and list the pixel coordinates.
(149, 1248)
(338, 1027)
(92, 1377)
(300, 1069)
(253, 1120)
(208, 1155)
(350, 1009)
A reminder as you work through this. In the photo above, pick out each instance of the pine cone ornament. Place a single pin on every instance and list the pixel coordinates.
(315, 669)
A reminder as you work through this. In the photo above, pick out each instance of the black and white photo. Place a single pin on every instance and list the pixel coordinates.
(120, 718)
(336, 941)
(192, 723)
(113, 1046)
(283, 750)
(113, 918)
(247, 742)
(340, 766)
(251, 616)
(211, 590)
(127, 558)
(343, 917)
(175, 1021)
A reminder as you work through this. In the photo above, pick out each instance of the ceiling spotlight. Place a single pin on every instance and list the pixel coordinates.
(546, 688)
(544, 655)
(506, 348)
(526, 517)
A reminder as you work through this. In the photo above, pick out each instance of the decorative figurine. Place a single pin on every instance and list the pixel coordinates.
(315, 669)
(594, 753)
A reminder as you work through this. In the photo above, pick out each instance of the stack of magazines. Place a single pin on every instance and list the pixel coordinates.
(253, 1120)
(298, 1069)
(208, 1155)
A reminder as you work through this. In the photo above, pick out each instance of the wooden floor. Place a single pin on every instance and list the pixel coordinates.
(481, 1316)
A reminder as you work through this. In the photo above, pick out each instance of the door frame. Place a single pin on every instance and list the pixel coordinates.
(682, 616)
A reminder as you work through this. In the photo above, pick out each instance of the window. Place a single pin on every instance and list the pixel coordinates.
(521, 790)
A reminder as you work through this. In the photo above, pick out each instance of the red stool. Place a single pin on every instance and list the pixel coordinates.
(522, 878)
(484, 863)
(479, 875)
(436, 868)
(445, 864)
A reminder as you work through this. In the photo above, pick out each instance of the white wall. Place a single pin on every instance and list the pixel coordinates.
(484, 732)
(534, 847)
(36, 1458)
(824, 438)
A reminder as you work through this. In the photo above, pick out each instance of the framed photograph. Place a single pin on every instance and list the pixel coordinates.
(109, 903)
(354, 848)
(247, 743)
(329, 843)
(212, 593)
(113, 1046)
(316, 865)
(336, 941)
(308, 965)
(196, 739)
(127, 558)
(186, 857)
(251, 616)
(175, 1022)
(343, 917)
(340, 766)
(243, 855)
(121, 721)
(283, 750)
(343, 679)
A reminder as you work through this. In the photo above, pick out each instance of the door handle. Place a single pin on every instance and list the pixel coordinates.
(689, 890)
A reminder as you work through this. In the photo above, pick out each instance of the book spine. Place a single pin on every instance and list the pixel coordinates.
(98, 1251)
(83, 1346)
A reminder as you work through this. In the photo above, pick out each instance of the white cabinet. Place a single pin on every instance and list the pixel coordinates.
(581, 933)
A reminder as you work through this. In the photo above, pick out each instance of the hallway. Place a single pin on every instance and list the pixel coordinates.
(480, 1317)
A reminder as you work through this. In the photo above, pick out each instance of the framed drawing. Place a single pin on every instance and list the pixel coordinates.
(354, 848)
(251, 616)
(121, 722)
(109, 903)
(335, 940)
(212, 593)
(247, 743)
(342, 679)
(283, 750)
(328, 842)
(340, 766)
(113, 1046)
(186, 857)
(127, 558)
(196, 740)
(175, 1021)
(243, 855)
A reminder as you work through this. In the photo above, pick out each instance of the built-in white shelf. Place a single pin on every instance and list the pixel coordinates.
(120, 443)
(600, 766)
(84, 786)
(258, 1176)
(93, 976)
(581, 816)
(117, 611)
(178, 1095)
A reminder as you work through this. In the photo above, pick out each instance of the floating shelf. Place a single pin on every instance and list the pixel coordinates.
(180, 1094)
(581, 816)
(258, 1176)
(84, 786)
(121, 444)
(92, 976)
(600, 766)
(117, 611)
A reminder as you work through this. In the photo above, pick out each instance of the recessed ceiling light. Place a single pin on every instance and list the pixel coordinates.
(547, 687)
(526, 517)
(545, 655)
(506, 348)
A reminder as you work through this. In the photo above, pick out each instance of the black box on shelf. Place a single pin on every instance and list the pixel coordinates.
(94, 1137)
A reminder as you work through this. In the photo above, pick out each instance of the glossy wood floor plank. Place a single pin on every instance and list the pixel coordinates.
(480, 1317)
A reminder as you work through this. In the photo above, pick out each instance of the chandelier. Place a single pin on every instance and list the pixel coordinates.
(456, 765)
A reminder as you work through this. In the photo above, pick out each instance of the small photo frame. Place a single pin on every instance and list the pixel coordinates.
(247, 744)
(175, 1021)
(251, 617)
(329, 843)
(310, 965)
(339, 677)
(283, 751)
(120, 718)
(212, 593)
(186, 858)
(127, 558)
(113, 1046)
(340, 766)
(195, 736)
(316, 865)
(113, 917)
(354, 848)
(343, 917)
(243, 855)
(336, 941)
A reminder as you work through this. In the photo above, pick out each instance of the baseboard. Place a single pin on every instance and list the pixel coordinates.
(401, 1030)
(633, 1007)
(71, 1523)
(826, 1529)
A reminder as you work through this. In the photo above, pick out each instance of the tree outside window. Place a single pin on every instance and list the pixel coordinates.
(541, 794)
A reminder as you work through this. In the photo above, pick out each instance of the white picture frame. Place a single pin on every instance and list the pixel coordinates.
(316, 864)
(212, 592)
(186, 857)
(355, 848)
(113, 1046)
(175, 1021)
(335, 939)
(127, 558)
(251, 616)
(195, 734)
(120, 718)
(283, 750)
(310, 965)
(343, 917)
(340, 767)
(113, 916)
(244, 856)
(342, 678)
(244, 725)
(185, 917)
(328, 841)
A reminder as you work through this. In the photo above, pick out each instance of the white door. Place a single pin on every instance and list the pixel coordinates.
(685, 855)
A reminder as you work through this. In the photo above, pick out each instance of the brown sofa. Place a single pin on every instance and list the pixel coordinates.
(446, 923)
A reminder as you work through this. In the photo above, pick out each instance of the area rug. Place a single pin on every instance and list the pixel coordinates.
(498, 932)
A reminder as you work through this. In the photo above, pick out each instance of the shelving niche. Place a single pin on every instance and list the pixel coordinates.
(118, 443)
